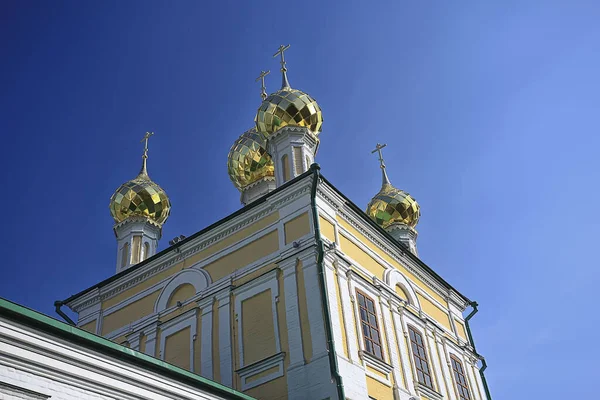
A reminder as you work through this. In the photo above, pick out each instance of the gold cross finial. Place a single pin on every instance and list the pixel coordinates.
(263, 93)
(381, 162)
(144, 170)
(280, 51)
(145, 139)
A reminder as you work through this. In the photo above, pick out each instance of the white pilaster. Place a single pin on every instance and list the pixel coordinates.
(405, 352)
(391, 344)
(150, 333)
(446, 367)
(206, 359)
(435, 362)
(292, 313)
(315, 308)
(225, 336)
(468, 367)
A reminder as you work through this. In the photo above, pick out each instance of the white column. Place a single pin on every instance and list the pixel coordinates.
(405, 352)
(225, 336)
(292, 312)
(467, 365)
(315, 305)
(391, 342)
(150, 333)
(435, 361)
(347, 309)
(206, 364)
(446, 367)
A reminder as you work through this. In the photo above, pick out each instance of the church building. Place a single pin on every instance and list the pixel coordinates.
(300, 294)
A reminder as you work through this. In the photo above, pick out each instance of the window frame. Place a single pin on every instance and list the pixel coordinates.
(419, 360)
(461, 387)
(370, 340)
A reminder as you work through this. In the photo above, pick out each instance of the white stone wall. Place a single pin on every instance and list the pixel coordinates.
(36, 365)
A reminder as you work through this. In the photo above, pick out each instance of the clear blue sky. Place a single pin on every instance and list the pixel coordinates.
(490, 111)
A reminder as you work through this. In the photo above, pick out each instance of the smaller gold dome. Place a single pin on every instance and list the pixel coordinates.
(393, 205)
(140, 197)
(288, 107)
(248, 160)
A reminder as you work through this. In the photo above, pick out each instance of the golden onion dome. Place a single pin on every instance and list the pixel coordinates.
(140, 197)
(391, 205)
(248, 160)
(288, 107)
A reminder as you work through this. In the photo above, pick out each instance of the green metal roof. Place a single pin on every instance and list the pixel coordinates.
(43, 323)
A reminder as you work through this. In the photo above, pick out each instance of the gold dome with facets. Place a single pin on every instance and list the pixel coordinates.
(288, 107)
(248, 160)
(391, 206)
(140, 197)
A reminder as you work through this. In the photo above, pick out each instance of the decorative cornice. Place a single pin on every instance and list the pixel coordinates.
(187, 250)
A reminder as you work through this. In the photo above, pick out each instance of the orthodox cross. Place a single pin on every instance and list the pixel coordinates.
(280, 50)
(262, 75)
(284, 80)
(378, 149)
(145, 139)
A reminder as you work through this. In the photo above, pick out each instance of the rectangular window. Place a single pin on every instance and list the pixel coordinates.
(369, 326)
(459, 378)
(420, 357)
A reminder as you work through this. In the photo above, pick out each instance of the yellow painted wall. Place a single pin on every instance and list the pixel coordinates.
(177, 348)
(361, 257)
(460, 329)
(296, 228)
(126, 315)
(327, 229)
(393, 262)
(214, 248)
(401, 293)
(251, 252)
(434, 311)
(378, 390)
(376, 372)
(272, 390)
(262, 374)
(254, 274)
(303, 310)
(90, 327)
(182, 293)
(258, 329)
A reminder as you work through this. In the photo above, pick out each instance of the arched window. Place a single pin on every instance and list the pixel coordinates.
(136, 250)
(146, 251)
(420, 356)
(125, 255)
(285, 168)
(307, 162)
(459, 378)
(369, 325)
